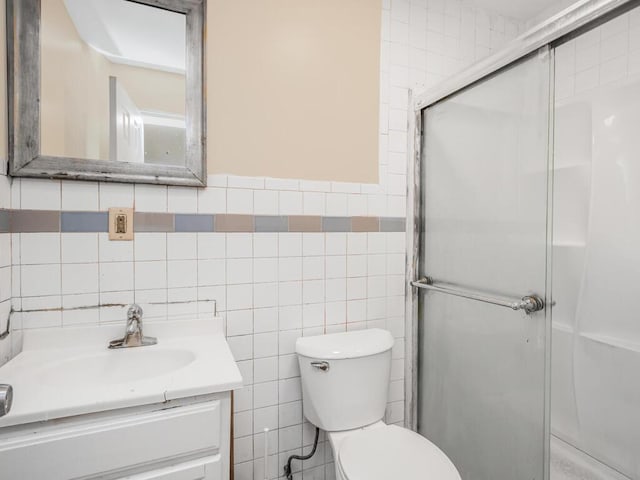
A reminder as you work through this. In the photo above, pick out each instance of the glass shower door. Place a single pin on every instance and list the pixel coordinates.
(482, 381)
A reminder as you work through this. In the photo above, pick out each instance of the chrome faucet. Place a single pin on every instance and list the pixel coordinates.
(133, 336)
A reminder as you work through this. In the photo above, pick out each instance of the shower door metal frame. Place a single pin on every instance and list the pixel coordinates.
(571, 21)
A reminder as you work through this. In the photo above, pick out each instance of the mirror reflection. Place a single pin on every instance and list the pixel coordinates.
(113, 82)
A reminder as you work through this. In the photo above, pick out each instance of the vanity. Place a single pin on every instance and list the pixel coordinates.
(84, 411)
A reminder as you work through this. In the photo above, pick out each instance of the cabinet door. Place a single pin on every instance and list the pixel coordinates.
(208, 468)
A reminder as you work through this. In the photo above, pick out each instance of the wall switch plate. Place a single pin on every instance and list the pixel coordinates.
(121, 224)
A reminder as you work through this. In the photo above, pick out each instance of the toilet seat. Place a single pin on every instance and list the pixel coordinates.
(392, 452)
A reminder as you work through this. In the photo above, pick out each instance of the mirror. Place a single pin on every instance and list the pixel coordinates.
(107, 90)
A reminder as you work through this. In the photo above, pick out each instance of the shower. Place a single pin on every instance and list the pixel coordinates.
(524, 339)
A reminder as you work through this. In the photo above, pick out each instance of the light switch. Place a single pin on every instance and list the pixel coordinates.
(121, 224)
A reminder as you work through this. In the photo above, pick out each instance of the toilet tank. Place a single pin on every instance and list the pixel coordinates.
(345, 378)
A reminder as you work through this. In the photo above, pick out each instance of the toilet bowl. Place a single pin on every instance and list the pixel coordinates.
(345, 379)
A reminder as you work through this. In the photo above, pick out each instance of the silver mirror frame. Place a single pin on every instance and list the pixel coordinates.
(23, 91)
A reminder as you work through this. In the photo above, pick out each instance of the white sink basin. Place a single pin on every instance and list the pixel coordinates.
(116, 366)
(63, 372)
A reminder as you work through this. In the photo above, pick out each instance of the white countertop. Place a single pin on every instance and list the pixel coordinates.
(69, 371)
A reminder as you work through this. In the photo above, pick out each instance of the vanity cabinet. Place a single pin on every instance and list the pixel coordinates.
(187, 439)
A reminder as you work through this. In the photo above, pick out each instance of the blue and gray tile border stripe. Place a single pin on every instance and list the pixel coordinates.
(33, 221)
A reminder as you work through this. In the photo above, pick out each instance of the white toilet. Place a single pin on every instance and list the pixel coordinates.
(345, 380)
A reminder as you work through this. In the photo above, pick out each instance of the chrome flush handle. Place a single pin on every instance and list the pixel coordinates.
(324, 366)
(6, 399)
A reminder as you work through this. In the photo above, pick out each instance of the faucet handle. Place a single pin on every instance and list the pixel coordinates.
(134, 312)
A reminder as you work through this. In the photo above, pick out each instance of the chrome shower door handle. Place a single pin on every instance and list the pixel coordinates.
(324, 366)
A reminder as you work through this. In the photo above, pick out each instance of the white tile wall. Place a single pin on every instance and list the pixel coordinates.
(6, 347)
(605, 56)
(271, 287)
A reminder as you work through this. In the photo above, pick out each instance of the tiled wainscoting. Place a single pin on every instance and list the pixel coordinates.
(271, 288)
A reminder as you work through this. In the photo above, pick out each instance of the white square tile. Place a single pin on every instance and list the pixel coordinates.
(290, 244)
(376, 242)
(265, 270)
(290, 203)
(240, 322)
(376, 286)
(265, 370)
(313, 268)
(265, 320)
(312, 244)
(336, 289)
(265, 295)
(289, 268)
(313, 315)
(239, 297)
(337, 205)
(150, 275)
(356, 243)
(290, 390)
(376, 265)
(281, 184)
(182, 273)
(290, 293)
(287, 341)
(182, 246)
(212, 200)
(79, 247)
(313, 291)
(288, 367)
(150, 198)
(242, 449)
(265, 394)
(376, 308)
(313, 203)
(265, 344)
(265, 244)
(239, 201)
(265, 202)
(357, 205)
(114, 250)
(150, 246)
(116, 276)
(37, 194)
(239, 245)
(116, 195)
(81, 196)
(335, 313)
(212, 272)
(5, 249)
(290, 317)
(356, 311)
(336, 243)
(239, 270)
(38, 280)
(6, 192)
(211, 245)
(315, 186)
(336, 266)
(357, 288)
(80, 278)
(5, 284)
(240, 347)
(236, 181)
(182, 200)
(37, 248)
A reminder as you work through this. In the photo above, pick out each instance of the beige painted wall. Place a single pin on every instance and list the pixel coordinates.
(293, 88)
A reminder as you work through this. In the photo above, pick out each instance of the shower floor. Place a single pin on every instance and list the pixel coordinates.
(569, 463)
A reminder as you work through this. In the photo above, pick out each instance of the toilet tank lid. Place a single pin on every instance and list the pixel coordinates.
(354, 344)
